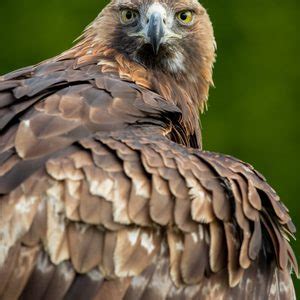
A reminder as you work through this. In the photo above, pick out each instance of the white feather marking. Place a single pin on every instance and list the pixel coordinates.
(139, 281)
(195, 237)
(102, 189)
(147, 242)
(95, 275)
(42, 263)
(26, 123)
(3, 252)
(273, 289)
(214, 290)
(120, 208)
(201, 232)
(179, 246)
(56, 235)
(133, 236)
(24, 206)
(17, 222)
(73, 187)
(142, 188)
(283, 287)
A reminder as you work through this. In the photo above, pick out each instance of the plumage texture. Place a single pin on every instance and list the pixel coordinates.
(103, 197)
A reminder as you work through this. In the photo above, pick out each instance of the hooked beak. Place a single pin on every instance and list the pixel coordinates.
(156, 31)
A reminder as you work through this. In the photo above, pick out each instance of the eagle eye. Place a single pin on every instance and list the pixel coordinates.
(185, 17)
(128, 16)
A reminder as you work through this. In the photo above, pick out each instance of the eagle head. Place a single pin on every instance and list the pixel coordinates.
(168, 35)
(167, 46)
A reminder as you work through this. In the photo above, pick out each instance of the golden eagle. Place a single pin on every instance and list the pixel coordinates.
(105, 190)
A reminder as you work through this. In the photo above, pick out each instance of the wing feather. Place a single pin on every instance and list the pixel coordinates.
(95, 199)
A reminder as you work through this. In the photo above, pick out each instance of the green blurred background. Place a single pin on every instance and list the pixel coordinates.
(254, 109)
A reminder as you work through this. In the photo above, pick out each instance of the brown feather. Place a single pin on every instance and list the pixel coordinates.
(102, 196)
(21, 273)
(195, 258)
(85, 246)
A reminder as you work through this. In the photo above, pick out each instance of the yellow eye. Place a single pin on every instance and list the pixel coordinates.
(185, 17)
(128, 16)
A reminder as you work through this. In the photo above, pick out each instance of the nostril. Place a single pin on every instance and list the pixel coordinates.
(165, 21)
(147, 21)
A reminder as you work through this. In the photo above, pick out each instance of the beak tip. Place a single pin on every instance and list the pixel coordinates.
(155, 49)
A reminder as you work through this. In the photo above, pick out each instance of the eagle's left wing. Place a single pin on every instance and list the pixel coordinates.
(98, 203)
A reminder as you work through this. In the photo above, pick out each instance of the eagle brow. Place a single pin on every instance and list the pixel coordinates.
(128, 6)
(182, 6)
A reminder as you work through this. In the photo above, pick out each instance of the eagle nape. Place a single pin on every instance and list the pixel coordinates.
(105, 190)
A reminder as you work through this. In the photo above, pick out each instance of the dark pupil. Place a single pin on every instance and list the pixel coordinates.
(128, 14)
(183, 16)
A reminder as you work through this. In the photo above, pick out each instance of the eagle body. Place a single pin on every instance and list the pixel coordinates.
(105, 191)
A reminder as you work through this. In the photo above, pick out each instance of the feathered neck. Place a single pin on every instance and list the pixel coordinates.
(188, 91)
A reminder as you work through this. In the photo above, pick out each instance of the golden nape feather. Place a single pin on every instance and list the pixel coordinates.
(105, 192)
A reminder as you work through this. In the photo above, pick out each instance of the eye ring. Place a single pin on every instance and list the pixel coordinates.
(185, 17)
(128, 16)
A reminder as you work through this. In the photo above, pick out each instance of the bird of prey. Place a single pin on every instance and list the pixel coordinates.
(105, 191)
